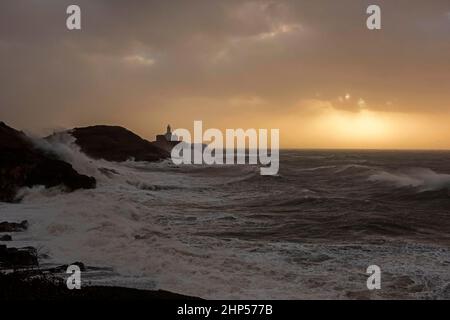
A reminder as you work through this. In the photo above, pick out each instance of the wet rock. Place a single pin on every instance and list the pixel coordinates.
(13, 226)
(15, 258)
(6, 237)
(20, 286)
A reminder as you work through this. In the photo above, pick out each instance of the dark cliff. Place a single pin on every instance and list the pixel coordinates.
(114, 143)
(22, 165)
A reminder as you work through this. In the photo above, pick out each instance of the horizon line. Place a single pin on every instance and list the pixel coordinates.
(364, 149)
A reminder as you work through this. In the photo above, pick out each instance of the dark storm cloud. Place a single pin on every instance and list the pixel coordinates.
(144, 56)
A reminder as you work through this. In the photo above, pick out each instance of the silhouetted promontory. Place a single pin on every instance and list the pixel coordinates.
(23, 165)
(114, 143)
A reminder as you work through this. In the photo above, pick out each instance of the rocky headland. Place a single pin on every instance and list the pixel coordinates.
(24, 164)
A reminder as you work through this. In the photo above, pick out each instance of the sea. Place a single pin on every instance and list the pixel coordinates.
(227, 232)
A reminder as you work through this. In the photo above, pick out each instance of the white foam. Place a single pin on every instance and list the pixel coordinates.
(150, 237)
(423, 178)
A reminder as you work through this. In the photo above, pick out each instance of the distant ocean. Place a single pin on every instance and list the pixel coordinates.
(228, 232)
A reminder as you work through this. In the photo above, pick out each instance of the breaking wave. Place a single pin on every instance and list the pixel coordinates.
(228, 232)
(423, 179)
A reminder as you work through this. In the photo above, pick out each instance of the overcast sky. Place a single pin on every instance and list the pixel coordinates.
(310, 68)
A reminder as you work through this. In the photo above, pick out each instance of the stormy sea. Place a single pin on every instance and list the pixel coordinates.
(226, 232)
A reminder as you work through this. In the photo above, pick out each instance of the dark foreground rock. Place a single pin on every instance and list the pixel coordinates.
(13, 226)
(6, 237)
(22, 165)
(19, 286)
(17, 258)
(115, 143)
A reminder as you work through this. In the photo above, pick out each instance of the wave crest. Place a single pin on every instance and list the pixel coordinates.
(422, 178)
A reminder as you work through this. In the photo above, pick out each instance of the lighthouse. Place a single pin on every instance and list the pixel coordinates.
(167, 140)
(168, 134)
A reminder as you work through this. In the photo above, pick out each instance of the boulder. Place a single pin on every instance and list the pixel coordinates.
(6, 237)
(15, 258)
(13, 226)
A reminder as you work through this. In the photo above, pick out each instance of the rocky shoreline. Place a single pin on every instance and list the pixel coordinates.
(23, 164)
(21, 278)
(16, 258)
(39, 287)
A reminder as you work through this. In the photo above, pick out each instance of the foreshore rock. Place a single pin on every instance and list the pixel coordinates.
(19, 286)
(6, 237)
(114, 143)
(13, 226)
(22, 165)
(15, 258)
